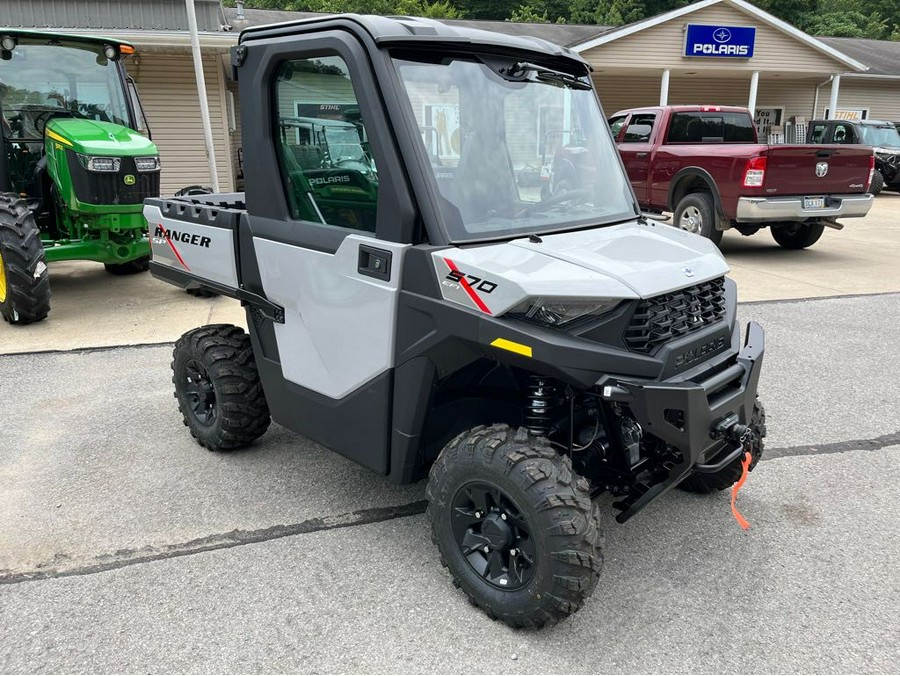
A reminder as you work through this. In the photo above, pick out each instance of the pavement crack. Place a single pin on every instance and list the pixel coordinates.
(874, 444)
(236, 538)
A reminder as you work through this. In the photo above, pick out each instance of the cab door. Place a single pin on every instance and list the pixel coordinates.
(635, 149)
(328, 227)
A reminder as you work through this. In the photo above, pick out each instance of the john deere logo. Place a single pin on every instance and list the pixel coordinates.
(129, 179)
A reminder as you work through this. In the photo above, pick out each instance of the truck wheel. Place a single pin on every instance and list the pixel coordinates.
(514, 525)
(24, 279)
(877, 183)
(217, 387)
(797, 235)
(725, 478)
(141, 264)
(697, 213)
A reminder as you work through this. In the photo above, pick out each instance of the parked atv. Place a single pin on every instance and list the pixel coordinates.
(527, 355)
(74, 170)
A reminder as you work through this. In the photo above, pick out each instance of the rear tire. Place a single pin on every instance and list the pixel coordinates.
(877, 183)
(24, 278)
(697, 213)
(726, 477)
(508, 492)
(797, 235)
(218, 389)
(141, 264)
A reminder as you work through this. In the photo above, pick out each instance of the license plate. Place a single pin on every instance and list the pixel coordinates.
(813, 202)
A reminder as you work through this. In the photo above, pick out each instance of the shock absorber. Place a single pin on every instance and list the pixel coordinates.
(543, 398)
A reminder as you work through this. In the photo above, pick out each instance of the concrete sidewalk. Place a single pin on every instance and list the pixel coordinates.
(91, 308)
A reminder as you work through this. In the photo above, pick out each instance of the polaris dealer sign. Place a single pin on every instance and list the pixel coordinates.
(719, 41)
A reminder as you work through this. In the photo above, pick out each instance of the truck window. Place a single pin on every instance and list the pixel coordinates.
(640, 128)
(326, 164)
(843, 133)
(711, 128)
(616, 123)
(817, 133)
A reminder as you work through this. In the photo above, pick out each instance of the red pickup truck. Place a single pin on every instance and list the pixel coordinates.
(705, 165)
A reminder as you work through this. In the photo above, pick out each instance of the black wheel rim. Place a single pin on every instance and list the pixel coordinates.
(493, 535)
(201, 396)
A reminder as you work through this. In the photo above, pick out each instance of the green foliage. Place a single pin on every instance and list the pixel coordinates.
(528, 14)
(876, 19)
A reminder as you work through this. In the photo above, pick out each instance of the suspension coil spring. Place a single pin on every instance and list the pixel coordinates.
(543, 398)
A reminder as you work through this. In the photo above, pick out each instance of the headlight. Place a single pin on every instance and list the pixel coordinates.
(561, 311)
(102, 164)
(147, 163)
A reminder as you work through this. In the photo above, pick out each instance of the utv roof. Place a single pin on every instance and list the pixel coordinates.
(47, 36)
(413, 31)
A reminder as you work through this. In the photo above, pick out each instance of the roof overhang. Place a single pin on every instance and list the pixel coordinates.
(745, 7)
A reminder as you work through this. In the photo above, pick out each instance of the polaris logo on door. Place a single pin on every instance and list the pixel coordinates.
(719, 41)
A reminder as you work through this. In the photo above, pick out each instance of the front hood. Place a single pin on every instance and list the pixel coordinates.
(90, 137)
(631, 260)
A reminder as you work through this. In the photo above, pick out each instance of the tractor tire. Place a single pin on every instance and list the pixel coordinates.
(696, 213)
(515, 525)
(218, 389)
(141, 264)
(797, 235)
(24, 278)
(727, 476)
(877, 183)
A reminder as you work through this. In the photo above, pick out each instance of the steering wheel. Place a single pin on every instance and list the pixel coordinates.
(564, 195)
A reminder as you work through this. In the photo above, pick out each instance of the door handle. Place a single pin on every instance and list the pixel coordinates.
(374, 262)
(641, 155)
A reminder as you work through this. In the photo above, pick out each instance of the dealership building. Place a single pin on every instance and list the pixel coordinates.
(712, 52)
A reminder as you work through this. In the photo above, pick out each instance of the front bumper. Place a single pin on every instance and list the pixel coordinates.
(761, 209)
(697, 407)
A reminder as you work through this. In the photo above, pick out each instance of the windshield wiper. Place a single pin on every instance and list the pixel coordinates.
(545, 74)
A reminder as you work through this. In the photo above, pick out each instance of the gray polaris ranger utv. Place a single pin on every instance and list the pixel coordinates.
(528, 354)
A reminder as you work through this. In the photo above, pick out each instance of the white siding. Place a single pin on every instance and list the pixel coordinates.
(664, 44)
(881, 97)
(169, 94)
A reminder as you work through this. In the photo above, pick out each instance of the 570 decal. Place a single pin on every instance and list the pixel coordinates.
(477, 283)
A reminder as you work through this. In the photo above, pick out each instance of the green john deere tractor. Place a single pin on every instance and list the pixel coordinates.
(75, 164)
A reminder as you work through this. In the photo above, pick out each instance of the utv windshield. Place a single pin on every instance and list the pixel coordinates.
(881, 137)
(42, 81)
(515, 148)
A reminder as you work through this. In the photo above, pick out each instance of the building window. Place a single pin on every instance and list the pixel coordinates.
(326, 163)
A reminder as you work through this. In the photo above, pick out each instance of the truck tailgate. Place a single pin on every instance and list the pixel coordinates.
(799, 170)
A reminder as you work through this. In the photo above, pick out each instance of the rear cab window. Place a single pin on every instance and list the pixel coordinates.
(640, 128)
(712, 127)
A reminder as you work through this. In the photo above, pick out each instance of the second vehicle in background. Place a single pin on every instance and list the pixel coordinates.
(882, 136)
(704, 164)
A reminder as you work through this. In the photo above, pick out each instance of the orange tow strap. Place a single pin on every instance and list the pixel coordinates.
(745, 469)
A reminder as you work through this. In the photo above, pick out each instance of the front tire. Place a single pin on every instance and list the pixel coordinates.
(697, 213)
(877, 183)
(797, 235)
(515, 525)
(727, 476)
(134, 267)
(24, 278)
(218, 389)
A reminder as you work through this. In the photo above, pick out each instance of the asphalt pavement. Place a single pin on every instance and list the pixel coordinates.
(124, 547)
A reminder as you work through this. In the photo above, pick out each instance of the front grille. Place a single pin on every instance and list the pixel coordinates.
(94, 187)
(662, 318)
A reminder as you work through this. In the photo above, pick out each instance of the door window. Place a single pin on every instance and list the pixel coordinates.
(326, 163)
(639, 129)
